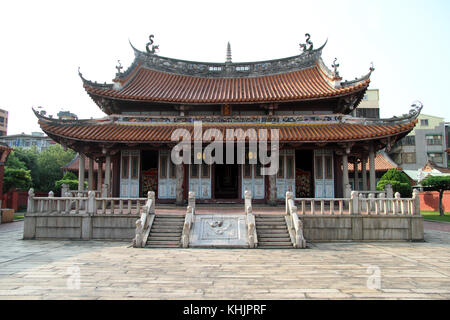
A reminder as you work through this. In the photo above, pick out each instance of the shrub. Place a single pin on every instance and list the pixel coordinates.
(399, 181)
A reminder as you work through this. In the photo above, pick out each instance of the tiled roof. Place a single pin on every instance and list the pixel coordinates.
(382, 163)
(144, 132)
(157, 86)
(74, 165)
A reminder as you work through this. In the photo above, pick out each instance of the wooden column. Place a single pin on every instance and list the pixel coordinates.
(272, 190)
(364, 172)
(99, 175)
(179, 172)
(355, 174)
(91, 174)
(373, 182)
(344, 171)
(108, 172)
(81, 172)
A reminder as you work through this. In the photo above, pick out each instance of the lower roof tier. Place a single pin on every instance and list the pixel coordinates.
(145, 132)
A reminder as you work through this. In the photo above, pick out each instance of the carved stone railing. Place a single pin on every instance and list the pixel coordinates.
(188, 220)
(144, 223)
(294, 223)
(84, 204)
(331, 206)
(385, 206)
(250, 220)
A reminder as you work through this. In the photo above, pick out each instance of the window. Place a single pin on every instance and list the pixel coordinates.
(163, 166)
(134, 167)
(408, 157)
(280, 173)
(435, 157)
(289, 167)
(328, 167)
(125, 167)
(247, 171)
(408, 141)
(434, 139)
(424, 122)
(194, 170)
(205, 171)
(319, 168)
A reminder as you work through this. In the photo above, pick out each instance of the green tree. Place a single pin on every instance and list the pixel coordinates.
(29, 158)
(440, 184)
(50, 162)
(399, 181)
(16, 174)
(69, 178)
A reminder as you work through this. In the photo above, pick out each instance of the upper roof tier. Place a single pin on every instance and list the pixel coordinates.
(154, 80)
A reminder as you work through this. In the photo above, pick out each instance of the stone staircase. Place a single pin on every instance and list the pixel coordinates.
(272, 232)
(166, 231)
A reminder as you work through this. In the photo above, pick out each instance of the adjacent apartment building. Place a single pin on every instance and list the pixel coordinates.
(26, 141)
(3, 122)
(427, 141)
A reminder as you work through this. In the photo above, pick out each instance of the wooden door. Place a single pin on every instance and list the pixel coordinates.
(323, 174)
(130, 172)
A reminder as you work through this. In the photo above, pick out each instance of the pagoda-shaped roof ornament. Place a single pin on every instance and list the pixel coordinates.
(119, 68)
(150, 43)
(228, 57)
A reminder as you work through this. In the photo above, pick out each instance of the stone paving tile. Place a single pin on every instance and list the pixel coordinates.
(113, 270)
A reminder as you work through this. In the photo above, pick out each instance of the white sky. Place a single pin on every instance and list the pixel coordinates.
(42, 43)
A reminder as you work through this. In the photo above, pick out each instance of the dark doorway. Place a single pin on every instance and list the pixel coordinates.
(226, 181)
(149, 174)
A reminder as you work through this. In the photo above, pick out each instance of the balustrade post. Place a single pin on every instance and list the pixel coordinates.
(151, 196)
(289, 196)
(371, 201)
(64, 189)
(389, 194)
(91, 203)
(397, 204)
(354, 203)
(247, 200)
(104, 190)
(30, 206)
(191, 200)
(416, 202)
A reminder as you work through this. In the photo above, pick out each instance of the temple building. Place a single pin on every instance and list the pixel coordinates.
(308, 104)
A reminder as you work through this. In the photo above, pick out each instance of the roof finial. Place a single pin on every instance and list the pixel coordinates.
(119, 68)
(308, 46)
(150, 43)
(372, 68)
(228, 59)
(335, 67)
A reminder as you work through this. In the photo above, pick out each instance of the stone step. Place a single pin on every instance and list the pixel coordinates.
(176, 225)
(162, 246)
(172, 231)
(275, 240)
(261, 227)
(174, 237)
(275, 247)
(275, 224)
(163, 241)
(284, 238)
(271, 236)
(274, 243)
(169, 217)
(165, 234)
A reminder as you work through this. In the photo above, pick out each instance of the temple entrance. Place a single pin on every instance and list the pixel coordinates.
(226, 181)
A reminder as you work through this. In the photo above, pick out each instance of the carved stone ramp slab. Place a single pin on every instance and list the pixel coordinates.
(219, 231)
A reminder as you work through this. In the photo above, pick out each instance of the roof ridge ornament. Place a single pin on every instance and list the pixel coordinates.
(335, 68)
(308, 46)
(228, 57)
(119, 68)
(150, 43)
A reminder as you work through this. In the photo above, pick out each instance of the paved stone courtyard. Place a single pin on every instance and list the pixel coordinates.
(113, 270)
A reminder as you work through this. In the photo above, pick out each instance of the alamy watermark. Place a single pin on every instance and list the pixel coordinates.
(258, 147)
(374, 279)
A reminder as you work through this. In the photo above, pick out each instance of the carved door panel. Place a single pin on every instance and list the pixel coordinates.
(252, 180)
(130, 171)
(200, 180)
(167, 181)
(286, 173)
(323, 174)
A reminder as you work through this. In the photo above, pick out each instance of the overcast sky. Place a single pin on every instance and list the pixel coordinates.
(44, 42)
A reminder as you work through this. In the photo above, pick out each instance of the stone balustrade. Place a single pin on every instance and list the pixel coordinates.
(250, 220)
(144, 223)
(294, 223)
(188, 220)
